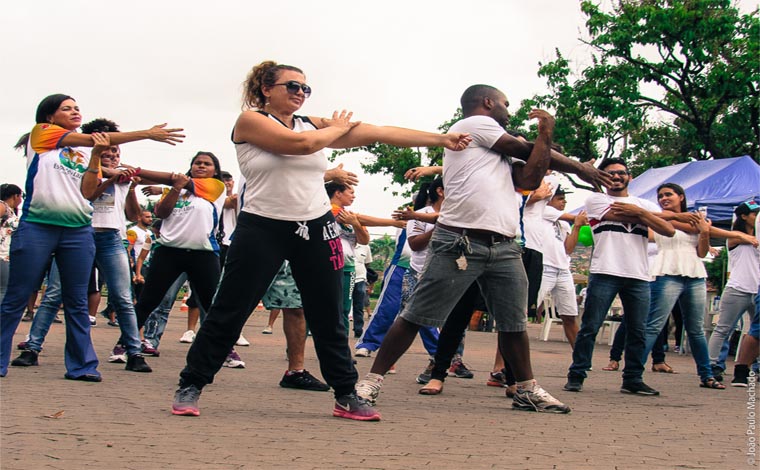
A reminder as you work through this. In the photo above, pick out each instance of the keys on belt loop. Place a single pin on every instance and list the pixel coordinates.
(464, 247)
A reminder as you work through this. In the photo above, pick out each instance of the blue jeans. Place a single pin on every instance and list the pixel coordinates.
(602, 288)
(733, 304)
(49, 306)
(113, 263)
(658, 350)
(5, 267)
(159, 317)
(74, 249)
(691, 295)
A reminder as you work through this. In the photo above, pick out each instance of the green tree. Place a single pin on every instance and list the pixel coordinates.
(382, 250)
(669, 81)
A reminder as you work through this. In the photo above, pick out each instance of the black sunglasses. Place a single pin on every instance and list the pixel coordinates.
(293, 86)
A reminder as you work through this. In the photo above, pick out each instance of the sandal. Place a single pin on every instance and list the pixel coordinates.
(612, 366)
(434, 387)
(663, 367)
(712, 383)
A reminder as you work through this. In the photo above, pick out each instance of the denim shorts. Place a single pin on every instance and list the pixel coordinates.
(497, 268)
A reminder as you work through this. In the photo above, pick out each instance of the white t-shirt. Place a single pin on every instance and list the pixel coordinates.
(478, 181)
(141, 237)
(620, 249)
(418, 227)
(284, 187)
(54, 178)
(744, 268)
(554, 232)
(108, 208)
(533, 215)
(192, 223)
(229, 216)
(363, 256)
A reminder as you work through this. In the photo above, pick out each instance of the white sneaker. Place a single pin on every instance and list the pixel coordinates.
(267, 330)
(242, 341)
(363, 352)
(93, 321)
(118, 355)
(539, 400)
(369, 387)
(187, 337)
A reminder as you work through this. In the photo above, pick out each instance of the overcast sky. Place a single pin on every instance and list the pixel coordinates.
(401, 63)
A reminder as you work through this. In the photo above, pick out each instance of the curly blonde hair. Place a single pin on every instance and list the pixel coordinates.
(263, 74)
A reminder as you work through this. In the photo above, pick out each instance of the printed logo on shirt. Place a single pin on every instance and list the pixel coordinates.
(72, 159)
(106, 202)
(182, 201)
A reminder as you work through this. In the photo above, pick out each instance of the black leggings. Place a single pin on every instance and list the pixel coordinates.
(259, 247)
(453, 331)
(202, 268)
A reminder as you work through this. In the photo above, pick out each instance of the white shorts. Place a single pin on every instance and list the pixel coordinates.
(559, 283)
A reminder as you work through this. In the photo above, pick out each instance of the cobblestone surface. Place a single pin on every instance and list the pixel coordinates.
(248, 421)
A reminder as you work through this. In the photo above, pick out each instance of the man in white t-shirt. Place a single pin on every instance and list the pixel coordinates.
(559, 241)
(228, 221)
(474, 240)
(533, 232)
(619, 265)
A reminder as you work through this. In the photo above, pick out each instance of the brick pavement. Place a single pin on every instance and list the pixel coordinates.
(248, 421)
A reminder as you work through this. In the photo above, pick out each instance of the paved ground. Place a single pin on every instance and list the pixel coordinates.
(248, 421)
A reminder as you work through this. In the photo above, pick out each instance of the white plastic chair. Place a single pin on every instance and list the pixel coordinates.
(550, 317)
(610, 325)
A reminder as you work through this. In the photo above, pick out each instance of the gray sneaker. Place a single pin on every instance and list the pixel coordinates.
(426, 374)
(186, 401)
(538, 400)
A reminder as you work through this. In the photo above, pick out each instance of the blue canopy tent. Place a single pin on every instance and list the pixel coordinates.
(721, 185)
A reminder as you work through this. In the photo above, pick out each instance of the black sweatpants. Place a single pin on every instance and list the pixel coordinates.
(259, 247)
(202, 268)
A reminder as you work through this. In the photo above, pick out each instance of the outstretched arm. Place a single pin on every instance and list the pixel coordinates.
(260, 130)
(159, 133)
(365, 134)
(370, 221)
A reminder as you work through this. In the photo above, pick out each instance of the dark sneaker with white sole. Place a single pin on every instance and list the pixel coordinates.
(638, 388)
(573, 385)
(28, 357)
(136, 363)
(303, 381)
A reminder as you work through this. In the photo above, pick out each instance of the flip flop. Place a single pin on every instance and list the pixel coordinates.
(663, 367)
(435, 389)
(612, 366)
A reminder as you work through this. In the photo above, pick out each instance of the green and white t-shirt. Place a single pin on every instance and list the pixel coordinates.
(53, 179)
(193, 221)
